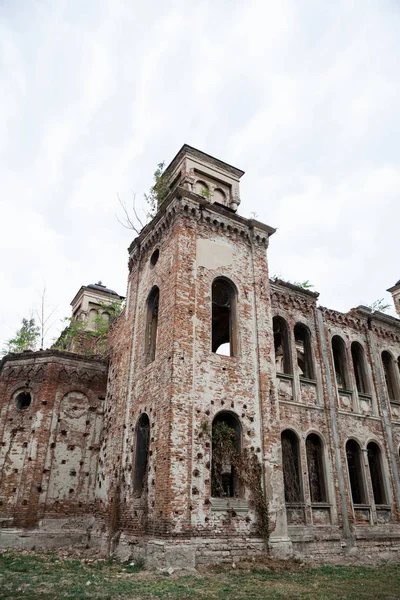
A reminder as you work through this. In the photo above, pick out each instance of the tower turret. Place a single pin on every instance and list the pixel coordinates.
(395, 291)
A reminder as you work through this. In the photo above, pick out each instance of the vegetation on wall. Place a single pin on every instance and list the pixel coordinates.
(378, 305)
(25, 338)
(247, 467)
(76, 337)
(153, 199)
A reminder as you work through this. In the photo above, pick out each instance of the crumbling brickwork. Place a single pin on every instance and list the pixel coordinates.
(206, 338)
(49, 447)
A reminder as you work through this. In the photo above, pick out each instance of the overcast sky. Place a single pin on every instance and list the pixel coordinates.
(303, 95)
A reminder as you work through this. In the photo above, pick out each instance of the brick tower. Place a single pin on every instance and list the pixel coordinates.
(194, 348)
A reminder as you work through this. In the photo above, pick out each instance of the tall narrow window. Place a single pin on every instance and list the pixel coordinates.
(141, 453)
(355, 467)
(375, 468)
(224, 325)
(302, 338)
(360, 368)
(316, 471)
(151, 323)
(291, 467)
(283, 363)
(390, 376)
(226, 449)
(340, 362)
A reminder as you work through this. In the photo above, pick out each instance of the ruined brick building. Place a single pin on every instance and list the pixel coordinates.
(118, 451)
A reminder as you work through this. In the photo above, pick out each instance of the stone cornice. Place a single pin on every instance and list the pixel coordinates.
(54, 356)
(183, 202)
(190, 151)
(291, 302)
(349, 319)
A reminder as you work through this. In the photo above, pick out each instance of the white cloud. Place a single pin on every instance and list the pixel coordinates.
(302, 95)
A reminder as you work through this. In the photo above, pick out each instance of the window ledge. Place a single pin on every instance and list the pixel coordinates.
(320, 505)
(344, 391)
(284, 376)
(222, 505)
(366, 396)
(306, 380)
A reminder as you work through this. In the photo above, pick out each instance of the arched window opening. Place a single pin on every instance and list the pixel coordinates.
(23, 400)
(91, 321)
(283, 363)
(224, 326)
(226, 449)
(219, 196)
(151, 323)
(360, 368)
(305, 364)
(390, 375)
(355, 468)
(316, 471)
(202, 189)
(375, 468)
(340, 362)
(291, 467)
(141, 453)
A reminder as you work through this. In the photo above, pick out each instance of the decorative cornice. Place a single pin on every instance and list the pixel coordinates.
(348, 319)
(218, 218)
(289, 301)
(47, 356)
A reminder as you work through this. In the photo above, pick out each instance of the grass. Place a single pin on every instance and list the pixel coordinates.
(26, 575)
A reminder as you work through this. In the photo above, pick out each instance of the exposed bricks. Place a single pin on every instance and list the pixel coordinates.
(72, 451)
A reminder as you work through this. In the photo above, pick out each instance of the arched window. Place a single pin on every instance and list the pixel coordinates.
(202, 189)
(340, 362)
(141, 453)
(219, 196)
(291, 467)
(355, 468)
(226, 449)
(316, 471)
(91, 321)
(305, 364)
(224, 322)
(360, 368)
(283, 363)
(375, 468)
(390, 375)
(151, 323)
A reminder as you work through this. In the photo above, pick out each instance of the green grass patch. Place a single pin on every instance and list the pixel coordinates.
(48, 576)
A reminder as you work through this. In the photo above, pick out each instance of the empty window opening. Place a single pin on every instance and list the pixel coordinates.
(375, 468)
(23, 400)
(224, 318)
(360, 368)
(141, 453)
(316, 471)
(340, 362)
(154, 257)
(390, 375)
(291, 467)
(355, 468)
(302, 338)
(226, 449)
(151, 323)
(283, 363)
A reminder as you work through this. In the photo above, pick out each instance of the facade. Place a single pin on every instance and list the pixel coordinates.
(123, 452)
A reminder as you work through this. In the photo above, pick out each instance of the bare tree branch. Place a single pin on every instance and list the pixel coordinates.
(128, 222)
